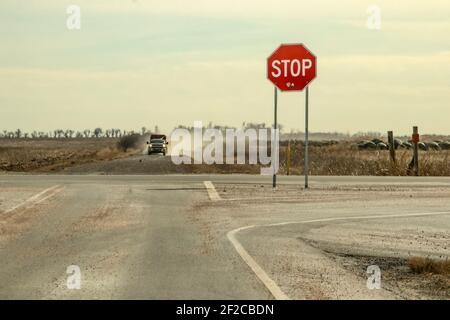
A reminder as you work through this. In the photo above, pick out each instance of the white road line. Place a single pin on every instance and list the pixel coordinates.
(32, 198)
(212, 193)
(50, 195)
(260, 273)
(37, 198)
(263, 276)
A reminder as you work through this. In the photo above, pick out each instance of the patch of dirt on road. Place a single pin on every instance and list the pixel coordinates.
(397, 277)
(107, 217)
(13, 226)
(211, 228)
(12, 196)
(15, 222)
(196, 216)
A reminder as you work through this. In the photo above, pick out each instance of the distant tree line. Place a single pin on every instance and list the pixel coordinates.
(118, 133)
(72, 134)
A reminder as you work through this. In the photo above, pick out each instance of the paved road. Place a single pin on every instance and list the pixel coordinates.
(158, 237)
(221, 178)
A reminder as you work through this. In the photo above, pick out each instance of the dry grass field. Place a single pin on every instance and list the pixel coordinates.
(343, 159)
(427, 265)
(52, 155)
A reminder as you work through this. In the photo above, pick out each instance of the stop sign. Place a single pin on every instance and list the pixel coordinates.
(291, 67)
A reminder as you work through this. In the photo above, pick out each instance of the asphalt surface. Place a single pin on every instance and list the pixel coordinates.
(168, 236)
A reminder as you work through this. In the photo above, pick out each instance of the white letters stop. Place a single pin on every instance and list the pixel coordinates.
(290, 67)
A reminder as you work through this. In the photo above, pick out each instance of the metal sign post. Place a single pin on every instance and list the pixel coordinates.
(274, 180)
(291, 68)
(306, 137)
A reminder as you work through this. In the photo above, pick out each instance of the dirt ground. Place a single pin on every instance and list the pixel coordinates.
(54, 155)
(397, 276)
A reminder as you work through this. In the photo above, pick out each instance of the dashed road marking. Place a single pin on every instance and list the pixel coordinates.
(271, 285)
(212, 193)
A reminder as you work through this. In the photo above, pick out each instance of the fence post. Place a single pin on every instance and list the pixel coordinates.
(391, 146)
(288, 157)
(415, 139)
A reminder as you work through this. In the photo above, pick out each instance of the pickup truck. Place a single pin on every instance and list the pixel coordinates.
(157, 144)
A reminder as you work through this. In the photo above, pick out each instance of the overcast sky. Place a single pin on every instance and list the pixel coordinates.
(146, 63)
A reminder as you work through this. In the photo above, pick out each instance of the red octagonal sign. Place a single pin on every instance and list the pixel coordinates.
(291, 67)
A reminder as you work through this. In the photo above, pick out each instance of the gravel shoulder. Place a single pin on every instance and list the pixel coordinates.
(329, 260)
